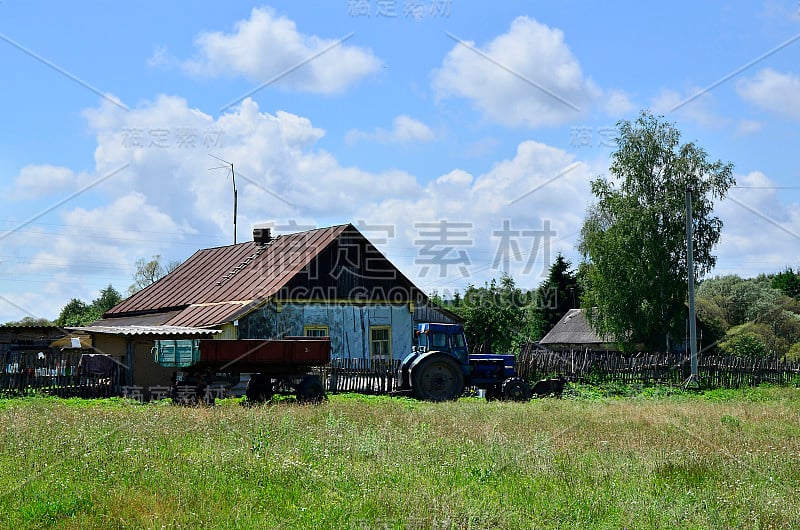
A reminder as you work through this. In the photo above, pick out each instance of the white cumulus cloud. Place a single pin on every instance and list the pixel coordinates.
(267, 45)
(38, 180)
(525, 77)
(774, 91)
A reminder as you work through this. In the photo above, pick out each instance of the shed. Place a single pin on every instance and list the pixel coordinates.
(131, 345)
(573, 332)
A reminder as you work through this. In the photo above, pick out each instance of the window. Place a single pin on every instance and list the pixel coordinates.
(315, 331)
(438, 340)
(380, 343)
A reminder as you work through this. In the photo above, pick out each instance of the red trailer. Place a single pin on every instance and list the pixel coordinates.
(278, 366)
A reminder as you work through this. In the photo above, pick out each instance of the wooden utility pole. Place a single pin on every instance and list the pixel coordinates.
(693, 379)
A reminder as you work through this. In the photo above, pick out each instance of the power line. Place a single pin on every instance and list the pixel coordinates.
(91, 227)
(103, 238)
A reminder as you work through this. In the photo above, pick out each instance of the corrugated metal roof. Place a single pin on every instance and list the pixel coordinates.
(232, 274)
(150, 319)
(146, 330)
(210, 315)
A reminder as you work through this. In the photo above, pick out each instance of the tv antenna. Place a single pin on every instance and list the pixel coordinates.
(229, 167)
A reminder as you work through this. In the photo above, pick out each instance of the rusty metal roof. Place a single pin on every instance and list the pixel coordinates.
(149, 319)
(216, 285)
(210, 315)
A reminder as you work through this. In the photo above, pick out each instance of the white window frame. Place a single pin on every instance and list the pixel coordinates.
(382, 356)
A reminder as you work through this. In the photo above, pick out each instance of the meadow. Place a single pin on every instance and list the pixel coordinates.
(598, 458)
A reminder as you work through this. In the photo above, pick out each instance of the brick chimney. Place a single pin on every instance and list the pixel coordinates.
(262, 235)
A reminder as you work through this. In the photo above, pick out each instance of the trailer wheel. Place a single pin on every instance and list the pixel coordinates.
(310, 390)
(259, 388)
(437, 378)
(515, 389)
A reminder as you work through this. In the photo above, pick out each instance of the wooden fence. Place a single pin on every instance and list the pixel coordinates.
(364, 376)
(55, 372)
(600, 366)
(59, 373)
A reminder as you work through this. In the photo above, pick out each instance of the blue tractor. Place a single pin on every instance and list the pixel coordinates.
(440, 367)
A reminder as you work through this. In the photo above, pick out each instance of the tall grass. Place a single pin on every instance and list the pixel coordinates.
(717, 460)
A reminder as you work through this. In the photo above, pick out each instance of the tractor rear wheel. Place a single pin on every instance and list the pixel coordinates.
(515, 389)
(310, 390)
(437, 378)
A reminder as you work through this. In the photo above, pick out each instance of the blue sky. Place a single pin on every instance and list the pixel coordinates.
(390, 114)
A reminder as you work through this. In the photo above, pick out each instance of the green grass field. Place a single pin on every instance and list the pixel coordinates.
(721, 459)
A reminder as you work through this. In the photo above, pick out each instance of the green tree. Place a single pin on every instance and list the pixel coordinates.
(735, 306)
(109, 297)
(499, 315)
(149, 272)
(633, 239)
(76, 313)
(560, 292)
(713, 322)
(787, 282)
(79, 313)
(744, 300)
(794, 352)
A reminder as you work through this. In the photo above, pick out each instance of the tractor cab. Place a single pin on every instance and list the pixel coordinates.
(447, 338)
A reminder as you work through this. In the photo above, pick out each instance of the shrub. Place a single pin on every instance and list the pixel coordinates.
(744, 343)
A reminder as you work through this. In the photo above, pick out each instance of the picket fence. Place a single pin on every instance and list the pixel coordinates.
(364, 376)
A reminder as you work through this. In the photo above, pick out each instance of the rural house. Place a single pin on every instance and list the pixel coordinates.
(328, 281)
